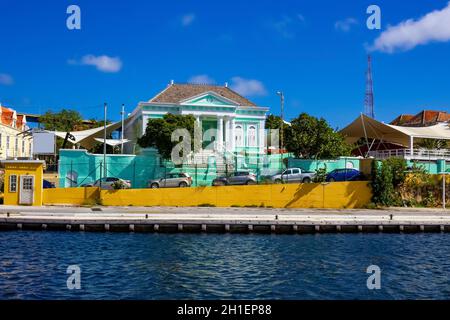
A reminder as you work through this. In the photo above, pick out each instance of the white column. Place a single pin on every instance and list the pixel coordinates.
(232, 134)
(227, 133)
(219, 134)
(411, 145)
(199, 132)
(262, 138)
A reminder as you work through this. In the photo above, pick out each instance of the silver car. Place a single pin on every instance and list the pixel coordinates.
(236, 178)
(295, 175)
(172, 180)
(107, 183)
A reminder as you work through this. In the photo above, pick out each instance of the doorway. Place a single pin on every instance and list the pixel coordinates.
(26, 190)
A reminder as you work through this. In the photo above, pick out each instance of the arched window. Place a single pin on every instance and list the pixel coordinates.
(239, 136)
(251, 135)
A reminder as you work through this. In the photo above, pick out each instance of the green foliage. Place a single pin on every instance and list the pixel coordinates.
(399, 170)
(313, 138)
(159, 131)
(387, 177)
(64, 120)
(118, 184)
(274, 122)
(321, 175)
(433, 144)
(429, 200)
(381, 195)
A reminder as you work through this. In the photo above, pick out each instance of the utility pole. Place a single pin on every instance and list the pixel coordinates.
(122, 113)
(104, 142)
(280, 93)
(443, 187)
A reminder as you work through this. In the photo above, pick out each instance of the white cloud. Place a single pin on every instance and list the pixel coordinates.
(433, 27)
(201, 79)
(6, 79)
(187, 19)
(286, 25)
(346, 24)
(248, 87)
(102, 63)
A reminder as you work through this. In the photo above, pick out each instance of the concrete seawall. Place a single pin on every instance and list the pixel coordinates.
(220, 220)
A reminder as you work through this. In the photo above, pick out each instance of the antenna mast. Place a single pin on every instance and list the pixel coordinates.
(368, 101)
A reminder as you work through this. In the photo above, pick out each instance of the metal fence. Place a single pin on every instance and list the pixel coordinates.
(75, 173)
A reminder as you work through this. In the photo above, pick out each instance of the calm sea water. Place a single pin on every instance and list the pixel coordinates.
(33, 265)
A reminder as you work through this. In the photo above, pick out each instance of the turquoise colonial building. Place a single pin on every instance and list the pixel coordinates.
(229, 122)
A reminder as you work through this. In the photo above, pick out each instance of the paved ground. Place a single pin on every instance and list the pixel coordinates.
(224, 215)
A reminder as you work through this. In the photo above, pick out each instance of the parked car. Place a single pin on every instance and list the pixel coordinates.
(172, 180)
(47, 184)
(107, 183)
(236, 178)
(345, 175)
(294, 175)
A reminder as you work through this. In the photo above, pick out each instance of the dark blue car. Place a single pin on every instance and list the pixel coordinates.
(345, 175)
(47, 184)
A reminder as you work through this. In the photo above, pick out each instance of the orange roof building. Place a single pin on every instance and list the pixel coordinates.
(424, 118)
(14, 143)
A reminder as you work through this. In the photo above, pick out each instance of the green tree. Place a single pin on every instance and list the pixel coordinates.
(274, 122)
(64, 120)
(159, 131)
(313, 138)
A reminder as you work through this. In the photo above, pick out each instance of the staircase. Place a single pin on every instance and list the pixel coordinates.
(208, 157)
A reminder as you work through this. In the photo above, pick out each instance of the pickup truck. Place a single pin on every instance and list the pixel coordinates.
(294, 175)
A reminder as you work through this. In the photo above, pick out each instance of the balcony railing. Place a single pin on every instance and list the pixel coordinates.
(417, 154)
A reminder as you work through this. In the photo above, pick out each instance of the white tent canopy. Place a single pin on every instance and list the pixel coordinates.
(88, 138)
(364, 126)
(112, 142)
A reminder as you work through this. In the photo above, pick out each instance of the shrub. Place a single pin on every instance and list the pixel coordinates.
(387, 176)
(118, 184)
(321, 175)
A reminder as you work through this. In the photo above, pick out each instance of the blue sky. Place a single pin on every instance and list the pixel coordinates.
(315, 52)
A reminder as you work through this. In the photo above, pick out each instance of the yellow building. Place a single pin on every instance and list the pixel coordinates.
(13, 142)
(23, 182)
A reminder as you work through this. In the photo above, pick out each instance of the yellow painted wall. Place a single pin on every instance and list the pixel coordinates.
(311, 195)
(76, 196)
(22, 168)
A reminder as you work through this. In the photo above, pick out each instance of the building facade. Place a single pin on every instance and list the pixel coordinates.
(229, 122)
(14, 142)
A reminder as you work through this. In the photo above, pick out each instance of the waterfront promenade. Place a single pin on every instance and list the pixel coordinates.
(211, 219)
